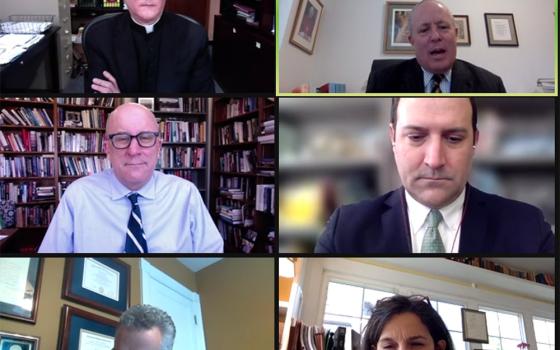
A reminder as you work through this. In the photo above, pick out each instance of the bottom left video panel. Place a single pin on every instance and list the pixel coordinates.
(136, 303)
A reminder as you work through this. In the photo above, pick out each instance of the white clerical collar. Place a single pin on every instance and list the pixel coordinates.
(417, 213)
(149, 27)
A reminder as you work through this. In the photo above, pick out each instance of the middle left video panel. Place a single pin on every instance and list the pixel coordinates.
(139, 175)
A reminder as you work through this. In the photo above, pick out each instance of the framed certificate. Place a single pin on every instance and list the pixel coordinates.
(474, 326)
(82, 330)
(16, 341)
(20, 284)
(101, 283)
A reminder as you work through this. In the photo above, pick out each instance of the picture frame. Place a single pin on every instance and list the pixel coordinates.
(396, 28)
(20, 285)
(306, 25)
(18, 341)
(475, 329)
(500, 29)
(80, 329)
(101, 283)
(463, 30)
(170, 104)
(72, 119)
(147, 102)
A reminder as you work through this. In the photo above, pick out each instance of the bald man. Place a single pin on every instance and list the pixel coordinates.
(131, 208)
(433, 35)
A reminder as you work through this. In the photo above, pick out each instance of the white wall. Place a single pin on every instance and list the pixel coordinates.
(351, 36)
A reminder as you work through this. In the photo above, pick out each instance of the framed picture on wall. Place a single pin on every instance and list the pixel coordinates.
(83, 330)
(17, 341)
(147, 102)
(474, 326)
(170, 104)
(396, 28)
(20, 284)
(463, 30)
(500, 29)
(306, 25)
(101, 283)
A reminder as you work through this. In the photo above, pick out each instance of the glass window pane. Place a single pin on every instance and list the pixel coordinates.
(550, 331)
(371, 297)
(458, 342)
(509, 326)
(343, 299)
(510, 343)
(451, 315)
(332, 322)
(541, 331)
(494, 344)
(492, 322)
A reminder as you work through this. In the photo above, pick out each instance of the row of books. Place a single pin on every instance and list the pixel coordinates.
(235, 187)
(195, 105)
(25, 116)
(238, 106)
(265, 198)
(182, 131)
(27, 166)
(88, 101)
(26, 141)
(232, 235)
(267, 132)
(87, 118)
(34, 216)
(238, 161)
(245, 12)
(544, 278)
(182, 157)
(32, 99)
(83, 165)
(308, 337)
(238, 132)
(80, 142)
(25, 192)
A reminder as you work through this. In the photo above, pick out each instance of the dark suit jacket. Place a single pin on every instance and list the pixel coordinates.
(491, 224)
(184, 61)
(408, 77)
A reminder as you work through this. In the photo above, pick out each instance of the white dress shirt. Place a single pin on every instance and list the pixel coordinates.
(92, 217)
(449, 228)
(444, 85)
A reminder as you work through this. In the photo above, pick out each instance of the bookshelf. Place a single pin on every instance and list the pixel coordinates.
(243, 181)
(71, 147)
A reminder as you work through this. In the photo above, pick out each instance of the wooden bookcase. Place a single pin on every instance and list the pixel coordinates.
(240, 165)
(30, 233)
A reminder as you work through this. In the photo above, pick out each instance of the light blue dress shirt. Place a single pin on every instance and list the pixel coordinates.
(92, 217)
(444, 85)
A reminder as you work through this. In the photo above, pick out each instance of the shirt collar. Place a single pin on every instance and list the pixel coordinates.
(417, 212)
(428, 77)
(118, 190)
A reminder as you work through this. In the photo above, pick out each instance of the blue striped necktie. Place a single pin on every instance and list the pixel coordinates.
(135, 236)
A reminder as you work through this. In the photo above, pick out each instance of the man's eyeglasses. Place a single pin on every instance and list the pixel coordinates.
(145, 139)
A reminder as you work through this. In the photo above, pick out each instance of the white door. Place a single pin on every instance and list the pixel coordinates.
(183, 305)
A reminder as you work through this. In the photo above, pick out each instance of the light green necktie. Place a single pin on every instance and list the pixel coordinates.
(432, 242)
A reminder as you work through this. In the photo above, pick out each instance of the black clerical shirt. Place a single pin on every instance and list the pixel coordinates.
(147, 53)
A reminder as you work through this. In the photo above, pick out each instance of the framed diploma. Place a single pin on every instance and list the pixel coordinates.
(20, 285)
(500, 29)
(11, 341)
(82, 330)
(474, 326)
(101, 283)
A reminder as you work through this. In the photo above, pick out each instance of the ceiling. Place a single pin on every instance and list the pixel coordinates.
(197, 264)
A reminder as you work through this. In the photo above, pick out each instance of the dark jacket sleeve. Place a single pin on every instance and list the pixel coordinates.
(547, 239)
(201, 72)
(96, 60)
(326, 241)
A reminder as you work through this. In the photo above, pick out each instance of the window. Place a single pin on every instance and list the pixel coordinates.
(348, 306)
(505, 329)
(451, 315)
(544, 333)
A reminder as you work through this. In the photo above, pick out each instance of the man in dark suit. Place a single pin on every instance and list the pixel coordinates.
(435, 69)
(436, 210)
(147, 50)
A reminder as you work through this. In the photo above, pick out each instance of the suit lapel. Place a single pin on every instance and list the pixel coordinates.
(393, 234)
(461, 80)
(475, 223)
(126, 58)
(414, 77)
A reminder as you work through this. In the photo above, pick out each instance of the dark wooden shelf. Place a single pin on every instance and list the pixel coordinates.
(78, 129)
(64, 153)
(66, 105)
(235, 174)
(184, 143)
(27, 204)
(31, 103)
(240, 117)
(46, 128)
(11, 153)
(185, 168)
(237, 145)
(29, 178)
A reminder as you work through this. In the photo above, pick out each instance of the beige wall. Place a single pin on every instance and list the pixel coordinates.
(50, 301)
(237, 299)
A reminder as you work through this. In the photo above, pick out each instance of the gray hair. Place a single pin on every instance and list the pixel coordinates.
(144, 317)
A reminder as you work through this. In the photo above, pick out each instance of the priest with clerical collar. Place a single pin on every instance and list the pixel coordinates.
(147, 50)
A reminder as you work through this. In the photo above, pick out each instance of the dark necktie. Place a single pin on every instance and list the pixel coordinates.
(436, 88)
(432, 242)
(135, 237)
